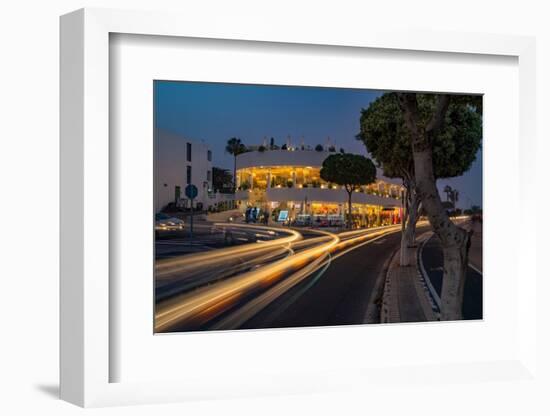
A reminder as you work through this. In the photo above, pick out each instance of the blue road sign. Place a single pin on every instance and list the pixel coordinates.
(191, 191)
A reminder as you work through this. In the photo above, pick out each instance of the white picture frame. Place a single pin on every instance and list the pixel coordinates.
(86, 356)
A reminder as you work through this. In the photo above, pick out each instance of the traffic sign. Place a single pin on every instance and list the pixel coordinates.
(191, 191)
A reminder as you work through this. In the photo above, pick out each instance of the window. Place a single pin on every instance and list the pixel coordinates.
(209, 156)
(189, 152)
(188, 175)
(209, 175)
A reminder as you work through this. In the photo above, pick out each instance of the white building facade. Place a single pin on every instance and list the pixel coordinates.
(179, 162)
(290, 180)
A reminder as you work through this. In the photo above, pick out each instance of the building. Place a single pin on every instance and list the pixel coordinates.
(290, 180)
(179, 162)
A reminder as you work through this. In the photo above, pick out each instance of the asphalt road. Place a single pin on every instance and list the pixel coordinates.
(336, 296)
(207, 236)
(432, 258)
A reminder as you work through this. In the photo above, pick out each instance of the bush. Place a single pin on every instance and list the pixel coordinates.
(332, 149)
(262, 148)
(289, 184)
(319, 148)
(283, 147)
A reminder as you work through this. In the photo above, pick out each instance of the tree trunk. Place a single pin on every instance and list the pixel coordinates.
(234, 173)
(413, 218)
(409, 229)
(349, 209)
(454, 240)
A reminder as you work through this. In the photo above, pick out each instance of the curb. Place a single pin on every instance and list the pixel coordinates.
(389, 311)
(393, 290)
(373, 315)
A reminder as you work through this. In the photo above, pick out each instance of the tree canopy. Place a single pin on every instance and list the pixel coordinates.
(235, 147)
(222, 180)
(349, 170)
(387, 138)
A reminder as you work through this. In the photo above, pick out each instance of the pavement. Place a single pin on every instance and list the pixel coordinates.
(412, 294)
(406, 296)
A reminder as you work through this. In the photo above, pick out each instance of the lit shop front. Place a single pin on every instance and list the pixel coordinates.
(277, 180)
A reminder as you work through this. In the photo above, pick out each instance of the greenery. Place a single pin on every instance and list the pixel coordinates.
(444, 135)
(348, 170)
(319, 148)
(387, 138)
(289, 184)
(332, 149)
(283, 147)
(222, 180)
(235, 147)
(262, 148)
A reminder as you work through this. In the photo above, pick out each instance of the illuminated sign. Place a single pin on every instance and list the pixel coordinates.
(283, 216)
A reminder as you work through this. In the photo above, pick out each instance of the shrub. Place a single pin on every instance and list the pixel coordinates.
(319, 148)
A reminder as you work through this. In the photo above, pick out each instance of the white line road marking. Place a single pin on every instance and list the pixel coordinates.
(475, 269)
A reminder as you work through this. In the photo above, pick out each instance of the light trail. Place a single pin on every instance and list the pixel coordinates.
(204, 304)
(250, 309)
(247, 311)
(176, 266)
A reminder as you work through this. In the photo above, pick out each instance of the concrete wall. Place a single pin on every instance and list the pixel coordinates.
(171, 168)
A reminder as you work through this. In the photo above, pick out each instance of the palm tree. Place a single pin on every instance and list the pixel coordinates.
(235, 147)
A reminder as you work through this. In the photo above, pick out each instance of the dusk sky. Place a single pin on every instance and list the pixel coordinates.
(215, 112)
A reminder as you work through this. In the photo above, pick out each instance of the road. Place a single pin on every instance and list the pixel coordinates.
(336, 296)
(432, 258)
(324, 279)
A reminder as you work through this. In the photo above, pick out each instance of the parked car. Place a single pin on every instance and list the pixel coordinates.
(336, 220)
(320, 221)
(303, 220)
(165, 224)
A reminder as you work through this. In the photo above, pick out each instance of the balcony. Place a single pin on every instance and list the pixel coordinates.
(321, 195)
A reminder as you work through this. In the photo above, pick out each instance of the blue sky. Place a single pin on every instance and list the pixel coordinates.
(215, 112)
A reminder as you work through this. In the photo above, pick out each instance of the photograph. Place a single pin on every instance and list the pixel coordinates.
(279, 206)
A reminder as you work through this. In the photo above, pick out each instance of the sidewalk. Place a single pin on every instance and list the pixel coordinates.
(406, 297)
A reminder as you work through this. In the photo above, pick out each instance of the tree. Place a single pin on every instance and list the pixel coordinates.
(452, 195)
(385, 134)
(443, 129)
(222, 181)
(319, 148)
(350, 171)
(235, 147)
